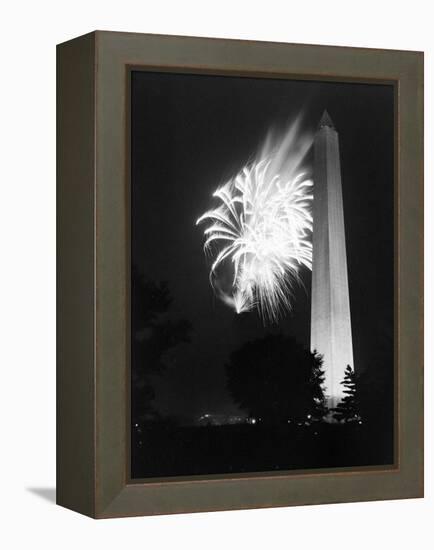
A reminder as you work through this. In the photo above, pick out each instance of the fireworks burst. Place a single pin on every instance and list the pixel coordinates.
(263, 227)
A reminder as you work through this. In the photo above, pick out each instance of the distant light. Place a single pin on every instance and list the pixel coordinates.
(253, 420)
(309, 416)
(136, 425)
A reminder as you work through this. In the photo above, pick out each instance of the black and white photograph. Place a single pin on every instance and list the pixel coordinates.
(262, 274)
(216, 222)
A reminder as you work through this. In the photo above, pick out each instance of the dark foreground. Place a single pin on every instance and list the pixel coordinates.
(164, 450)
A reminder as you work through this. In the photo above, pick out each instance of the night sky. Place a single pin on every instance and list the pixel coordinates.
(189, 134)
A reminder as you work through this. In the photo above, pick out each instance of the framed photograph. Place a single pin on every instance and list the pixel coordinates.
(240, 274)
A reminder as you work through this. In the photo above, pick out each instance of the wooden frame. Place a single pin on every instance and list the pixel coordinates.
(93, 236)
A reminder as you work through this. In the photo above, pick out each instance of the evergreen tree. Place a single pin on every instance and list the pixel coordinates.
(347, 410)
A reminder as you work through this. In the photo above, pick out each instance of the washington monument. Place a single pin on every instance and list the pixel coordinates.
(330, 310)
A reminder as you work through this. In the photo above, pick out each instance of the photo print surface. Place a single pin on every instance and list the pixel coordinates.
(262, 274)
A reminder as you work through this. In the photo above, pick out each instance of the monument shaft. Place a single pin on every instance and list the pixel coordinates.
(330, 308)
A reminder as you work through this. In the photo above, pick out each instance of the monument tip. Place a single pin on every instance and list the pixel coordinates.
(325, 121)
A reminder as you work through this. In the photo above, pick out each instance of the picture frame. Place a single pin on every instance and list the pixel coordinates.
(93, 331)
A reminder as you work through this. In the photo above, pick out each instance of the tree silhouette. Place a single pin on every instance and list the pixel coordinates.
(276, 380)
(319, 410)
(153, 334)
(348, 408)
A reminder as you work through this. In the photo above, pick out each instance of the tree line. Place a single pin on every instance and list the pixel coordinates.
(274, 378)
(277, 380)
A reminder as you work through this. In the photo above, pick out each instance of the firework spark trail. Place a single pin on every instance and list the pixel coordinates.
(263, 226)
